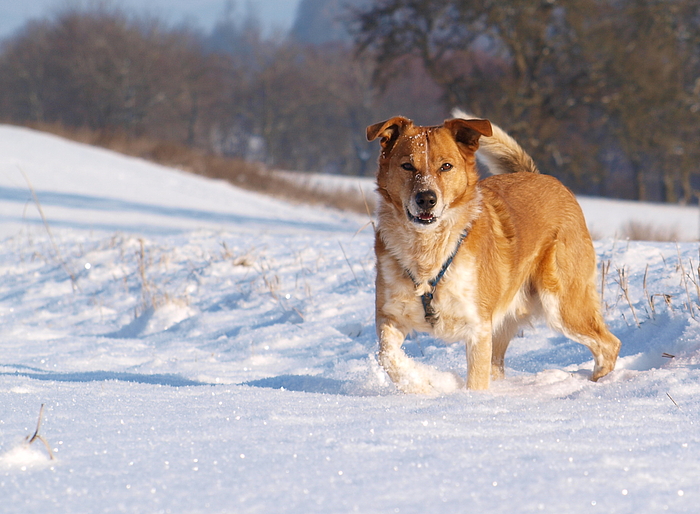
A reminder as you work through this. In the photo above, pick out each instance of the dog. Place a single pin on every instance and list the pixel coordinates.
(473, 260)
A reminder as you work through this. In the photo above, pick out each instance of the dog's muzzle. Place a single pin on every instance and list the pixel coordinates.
(425, 201)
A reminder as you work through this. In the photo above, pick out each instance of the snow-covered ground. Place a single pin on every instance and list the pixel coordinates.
(199, 348)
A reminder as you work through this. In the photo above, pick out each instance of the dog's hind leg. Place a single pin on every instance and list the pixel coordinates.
(583, 322)
(479, 358)
(500, 341)
(572, 305)
(580, 320)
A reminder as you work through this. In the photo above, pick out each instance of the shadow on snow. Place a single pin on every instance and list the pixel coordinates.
(100, 376)
(98, 203)
(301, 383)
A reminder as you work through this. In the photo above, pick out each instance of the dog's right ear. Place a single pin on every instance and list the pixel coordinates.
(388, 130)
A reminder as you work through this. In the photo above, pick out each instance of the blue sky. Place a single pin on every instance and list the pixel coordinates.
(275, 14)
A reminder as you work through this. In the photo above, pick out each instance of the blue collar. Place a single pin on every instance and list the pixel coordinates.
(431, 315)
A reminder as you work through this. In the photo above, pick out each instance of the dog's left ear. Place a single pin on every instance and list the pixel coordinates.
(468, 132)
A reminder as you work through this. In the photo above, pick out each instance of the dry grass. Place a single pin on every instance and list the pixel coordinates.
(249, 175)
(38, 437)
(637, 231)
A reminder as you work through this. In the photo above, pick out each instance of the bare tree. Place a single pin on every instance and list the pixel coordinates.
(501, 60)
(641, 57)
(569, 79)
(101, 69)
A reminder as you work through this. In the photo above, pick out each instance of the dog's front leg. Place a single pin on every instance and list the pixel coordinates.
(479, 350)
(402, 370)
(407, 374)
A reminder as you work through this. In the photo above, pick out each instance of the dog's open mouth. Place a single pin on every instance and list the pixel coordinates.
(422, 218)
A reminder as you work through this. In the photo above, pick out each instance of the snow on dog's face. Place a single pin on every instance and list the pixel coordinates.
(426, 171)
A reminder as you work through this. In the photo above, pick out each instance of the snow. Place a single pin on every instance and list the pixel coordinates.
(200, 348)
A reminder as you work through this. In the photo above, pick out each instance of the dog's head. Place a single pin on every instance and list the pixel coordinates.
(424, 171)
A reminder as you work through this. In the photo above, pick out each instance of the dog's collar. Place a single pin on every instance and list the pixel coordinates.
(431, 315)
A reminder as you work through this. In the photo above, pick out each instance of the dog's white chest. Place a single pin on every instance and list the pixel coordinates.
(454, 302)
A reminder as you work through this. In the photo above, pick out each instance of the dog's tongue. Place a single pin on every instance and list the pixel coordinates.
(425, 216)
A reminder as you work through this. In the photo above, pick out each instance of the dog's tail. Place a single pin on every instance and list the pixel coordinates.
(500, 152)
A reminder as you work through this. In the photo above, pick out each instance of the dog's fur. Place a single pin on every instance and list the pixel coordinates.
(527, 251)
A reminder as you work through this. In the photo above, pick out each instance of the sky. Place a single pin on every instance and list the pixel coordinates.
(274, 14)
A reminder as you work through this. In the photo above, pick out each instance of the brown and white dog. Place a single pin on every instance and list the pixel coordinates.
(471, 260)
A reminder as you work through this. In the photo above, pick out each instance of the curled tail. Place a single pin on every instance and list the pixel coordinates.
(500, 152)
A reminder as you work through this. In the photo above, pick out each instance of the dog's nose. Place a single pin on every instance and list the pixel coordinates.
(426, 200)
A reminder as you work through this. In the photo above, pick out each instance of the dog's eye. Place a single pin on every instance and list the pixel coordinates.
(408, 166)
(446, 167)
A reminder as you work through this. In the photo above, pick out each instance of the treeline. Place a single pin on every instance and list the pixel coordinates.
(605, 94)
(232, 92)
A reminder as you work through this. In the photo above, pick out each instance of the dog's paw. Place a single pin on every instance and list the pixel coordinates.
(428, 381)
(414, 377)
